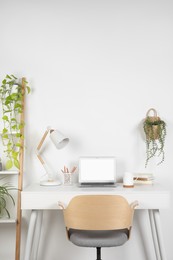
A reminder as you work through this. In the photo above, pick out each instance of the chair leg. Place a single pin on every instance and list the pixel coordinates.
(98, 253)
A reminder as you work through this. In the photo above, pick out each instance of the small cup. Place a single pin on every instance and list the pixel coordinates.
(128, 181)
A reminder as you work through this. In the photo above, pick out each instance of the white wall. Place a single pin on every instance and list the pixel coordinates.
(95, 68)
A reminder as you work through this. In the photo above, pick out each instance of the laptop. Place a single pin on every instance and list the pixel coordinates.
(97, 171)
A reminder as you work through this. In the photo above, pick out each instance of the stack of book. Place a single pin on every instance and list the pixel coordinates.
(146, 178)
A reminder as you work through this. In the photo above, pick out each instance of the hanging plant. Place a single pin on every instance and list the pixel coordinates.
(155, 132)
(11, 95)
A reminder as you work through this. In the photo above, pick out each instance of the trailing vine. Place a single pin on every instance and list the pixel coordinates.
(11, 94)
(155, 131)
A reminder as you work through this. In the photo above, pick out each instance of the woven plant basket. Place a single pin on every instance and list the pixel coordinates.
(155, 131)
(152, 130)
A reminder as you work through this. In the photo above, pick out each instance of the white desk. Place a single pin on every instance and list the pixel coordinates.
(38, 198)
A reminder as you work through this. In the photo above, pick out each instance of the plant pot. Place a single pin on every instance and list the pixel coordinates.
(152, 127)
(155, 131)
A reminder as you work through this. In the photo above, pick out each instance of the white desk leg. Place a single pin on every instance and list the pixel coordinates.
(156, 215)
(157, 234)
(30, 235)
(37, 233)
(154, 235)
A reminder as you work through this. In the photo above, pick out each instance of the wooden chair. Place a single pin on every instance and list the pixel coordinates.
(98, 221)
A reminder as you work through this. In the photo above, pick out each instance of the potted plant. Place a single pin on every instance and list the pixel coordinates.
(4, 195)
(155, 133)
(11, 96)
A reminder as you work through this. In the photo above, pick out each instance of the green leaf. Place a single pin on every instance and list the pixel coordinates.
(7, 111)
(18, 145)
(4, 136)
(8, 77)
(21, 125)
(18, 135)
(11, 83)
(15, 154)
(10, 141)
(9, 146)
(14, 96)
(13, 119)
(9, 164)
(19, 111)
(17, 105)
(8, 214)
(4, 81)
(28, 89)
(13, 76)
(5, 118)
(16, 163)
(4, 130)
(7, 102)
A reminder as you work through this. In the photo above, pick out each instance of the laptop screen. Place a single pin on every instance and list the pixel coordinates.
(97, 170)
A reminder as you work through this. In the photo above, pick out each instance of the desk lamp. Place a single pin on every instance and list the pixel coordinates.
(60, 141)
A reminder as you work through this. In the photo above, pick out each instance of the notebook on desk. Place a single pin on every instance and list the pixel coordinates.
(97, 171)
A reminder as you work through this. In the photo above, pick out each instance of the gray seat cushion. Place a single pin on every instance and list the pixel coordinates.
(100, 238)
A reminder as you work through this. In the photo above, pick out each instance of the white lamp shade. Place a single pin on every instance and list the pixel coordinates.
(59, 140)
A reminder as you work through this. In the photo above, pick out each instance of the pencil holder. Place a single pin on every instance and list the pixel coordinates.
(67, 178)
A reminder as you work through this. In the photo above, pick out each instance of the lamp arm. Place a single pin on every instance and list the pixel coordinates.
(42, 140)
(39, 156)
(40, 145)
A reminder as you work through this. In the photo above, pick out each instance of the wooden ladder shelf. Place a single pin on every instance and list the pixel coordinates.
(20, 178)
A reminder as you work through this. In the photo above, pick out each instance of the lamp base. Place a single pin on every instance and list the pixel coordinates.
(50, 183)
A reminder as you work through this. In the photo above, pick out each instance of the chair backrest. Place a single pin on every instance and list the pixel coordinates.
(98, 212)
